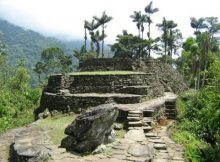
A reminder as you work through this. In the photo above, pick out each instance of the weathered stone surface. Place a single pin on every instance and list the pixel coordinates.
(90, 129)
(139, 150)
(135, 135)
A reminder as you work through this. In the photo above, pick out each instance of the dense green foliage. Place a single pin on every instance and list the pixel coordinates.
(17, 98)
(199, 52)
(53, 60)
(199, 119)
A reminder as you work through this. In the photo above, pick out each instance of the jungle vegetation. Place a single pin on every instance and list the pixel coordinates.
(197, 126)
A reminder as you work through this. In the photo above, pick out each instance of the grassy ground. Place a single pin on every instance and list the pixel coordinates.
(57, 126)
(106, 73)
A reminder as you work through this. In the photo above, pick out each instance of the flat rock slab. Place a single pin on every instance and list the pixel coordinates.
(135, 135)
(160, 146)
(110, 160)
(68, 160)
(139, 150)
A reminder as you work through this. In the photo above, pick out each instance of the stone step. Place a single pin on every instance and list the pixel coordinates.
(135, 124)
(150, 134)
(147, 128)
(148, 120)
(134, 118)
(135, 112)
(159, 146)
(148, 113)
(171, 107)
(135, 128)
(170, 110)
(170, 102)
(171, 114)
(156, 141)
(134, 115)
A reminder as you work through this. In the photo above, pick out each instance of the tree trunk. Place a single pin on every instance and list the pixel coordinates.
(204, 74)
(103, 37)
(97, 48)
(85, 43)
(149, 46)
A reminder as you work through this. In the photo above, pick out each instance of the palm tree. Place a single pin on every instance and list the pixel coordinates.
(97, 38)
(102, 21)
(171, 37)
(137, 18)
(91, 26)
(143, 20)
(150, 10)
(197, 24)
(85, 37)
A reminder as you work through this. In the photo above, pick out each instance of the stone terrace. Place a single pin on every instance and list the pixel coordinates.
(74, 92)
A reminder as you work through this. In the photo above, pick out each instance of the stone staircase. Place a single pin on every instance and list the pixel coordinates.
(134, 119)
(171, 111)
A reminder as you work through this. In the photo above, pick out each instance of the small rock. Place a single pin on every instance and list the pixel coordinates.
(99, 149)
(118, 126)
(160, 146)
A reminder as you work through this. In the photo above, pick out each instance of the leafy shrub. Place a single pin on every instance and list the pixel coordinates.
(198, 124)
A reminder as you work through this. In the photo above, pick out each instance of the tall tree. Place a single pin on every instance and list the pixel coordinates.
(91, 26)
(102, 21)
(170, 38)
(198, 25)
(137, 19)
(85, 36)
(149, 11)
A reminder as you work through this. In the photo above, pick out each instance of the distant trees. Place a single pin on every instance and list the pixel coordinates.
(96, 37)
(137, 19)
(142, 19)
(129, 46)
(167, 44)
(201, 50)
(170, 39)
(101, 21)
(53, 60)
(150, 10)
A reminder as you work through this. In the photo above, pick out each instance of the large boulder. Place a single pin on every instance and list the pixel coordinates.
(91, 129)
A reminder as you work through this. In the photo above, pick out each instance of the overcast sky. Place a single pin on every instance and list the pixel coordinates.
(65, 17)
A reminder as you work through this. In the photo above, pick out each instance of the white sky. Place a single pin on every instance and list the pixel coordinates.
(65, 17)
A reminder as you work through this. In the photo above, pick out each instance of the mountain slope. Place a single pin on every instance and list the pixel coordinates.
(28, 45)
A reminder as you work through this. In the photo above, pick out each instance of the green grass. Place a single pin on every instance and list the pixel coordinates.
(58, 125)
(106, 73)
(192, 144)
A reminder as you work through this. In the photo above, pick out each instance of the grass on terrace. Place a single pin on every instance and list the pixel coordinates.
(57, 126)
(106, 73)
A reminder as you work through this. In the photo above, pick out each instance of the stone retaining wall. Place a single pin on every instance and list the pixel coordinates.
(168, 76)
(106, 64)
(132, 83)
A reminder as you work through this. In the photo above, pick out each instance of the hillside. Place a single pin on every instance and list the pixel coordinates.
(28, 45)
